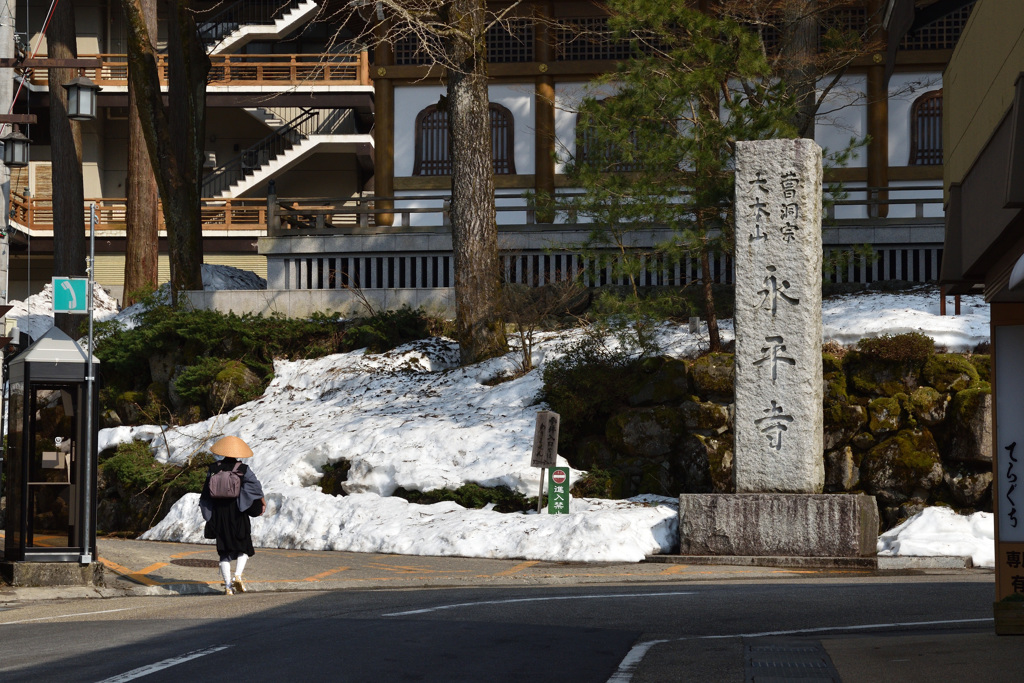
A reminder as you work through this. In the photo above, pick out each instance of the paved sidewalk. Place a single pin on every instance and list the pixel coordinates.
(157, 568)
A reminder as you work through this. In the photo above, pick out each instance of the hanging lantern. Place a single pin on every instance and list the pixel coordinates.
(82, 99)
(15, 149)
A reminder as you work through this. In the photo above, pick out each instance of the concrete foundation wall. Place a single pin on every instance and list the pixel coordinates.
(767, 524)
(302, 303)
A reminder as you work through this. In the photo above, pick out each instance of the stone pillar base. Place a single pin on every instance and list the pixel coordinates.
(36, 574)
(778, 524)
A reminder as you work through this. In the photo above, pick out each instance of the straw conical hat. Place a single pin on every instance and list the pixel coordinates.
(231, 447)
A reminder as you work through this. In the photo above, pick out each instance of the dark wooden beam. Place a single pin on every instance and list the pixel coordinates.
(18, 63)
(17, 118)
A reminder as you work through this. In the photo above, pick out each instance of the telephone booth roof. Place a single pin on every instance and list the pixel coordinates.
(54, 356)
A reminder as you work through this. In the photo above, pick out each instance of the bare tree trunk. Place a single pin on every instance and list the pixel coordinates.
(714, 339)
(142, 241)
(66, 161)
(474, 227)
(177, 181)
(188, 66)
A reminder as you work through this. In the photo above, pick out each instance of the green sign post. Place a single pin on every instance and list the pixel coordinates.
(558, 491)
(70, 295)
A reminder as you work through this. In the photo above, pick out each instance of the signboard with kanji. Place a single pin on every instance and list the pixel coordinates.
(545, 440)
(558, 491)
(1008, 459)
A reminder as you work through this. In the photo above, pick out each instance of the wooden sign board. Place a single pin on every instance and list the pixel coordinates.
(545, 440)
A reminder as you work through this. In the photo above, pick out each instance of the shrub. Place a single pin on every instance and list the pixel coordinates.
(472, 496)
(597, 484)
(135, 489)
(334, 475)
(385, 330)
(912, 346)
(585, 385)
(204, 343)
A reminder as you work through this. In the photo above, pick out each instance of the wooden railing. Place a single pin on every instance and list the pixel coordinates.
(245, 69)
(36, 214)
(318, 215)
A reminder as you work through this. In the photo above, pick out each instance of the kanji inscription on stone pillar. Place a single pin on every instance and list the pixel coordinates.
(778, 423)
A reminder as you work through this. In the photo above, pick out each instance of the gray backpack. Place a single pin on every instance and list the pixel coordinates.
(227, 483)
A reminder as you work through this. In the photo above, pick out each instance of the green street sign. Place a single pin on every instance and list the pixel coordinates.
(558, 491)
(70, 295)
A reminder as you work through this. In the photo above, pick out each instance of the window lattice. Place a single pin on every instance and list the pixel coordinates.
(586, 38)
(409, 51)
(510, 42)
(941, 34)
(926, 130)
(433, 153)
(846, 20)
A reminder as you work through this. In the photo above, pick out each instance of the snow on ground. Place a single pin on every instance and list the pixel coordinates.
(850, 318)
(227, 277)
(412, 418)
(940, 531)
(34, 316)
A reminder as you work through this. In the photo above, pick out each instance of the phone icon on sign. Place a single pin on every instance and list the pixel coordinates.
(73, 304)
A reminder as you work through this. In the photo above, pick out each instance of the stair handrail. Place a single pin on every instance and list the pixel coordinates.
(256, 12)
(227, 174)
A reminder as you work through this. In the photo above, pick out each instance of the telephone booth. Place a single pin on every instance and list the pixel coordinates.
(51, 481)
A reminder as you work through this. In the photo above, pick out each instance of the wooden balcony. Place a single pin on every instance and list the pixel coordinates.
(244, 70)
(219, 215)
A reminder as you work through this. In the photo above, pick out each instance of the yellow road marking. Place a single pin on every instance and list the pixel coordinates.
(518, 568)
(323, 575)
(124, 571)
(675, 569)
(407, 569)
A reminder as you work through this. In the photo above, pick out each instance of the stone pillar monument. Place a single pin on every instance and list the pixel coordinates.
(778, 509)
(778, 426)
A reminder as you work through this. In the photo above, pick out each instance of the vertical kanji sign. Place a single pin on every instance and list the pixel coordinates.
(558, 491)
(545, 447)
(1008, 456)
(545, 440)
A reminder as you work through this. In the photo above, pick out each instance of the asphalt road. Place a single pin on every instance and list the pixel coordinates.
(668, 632)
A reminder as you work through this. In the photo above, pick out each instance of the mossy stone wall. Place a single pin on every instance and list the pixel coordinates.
(911, 431)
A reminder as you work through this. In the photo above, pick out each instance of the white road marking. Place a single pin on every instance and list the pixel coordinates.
(627, 667)
(64, 616)
(624, 674)
(556, 597)
(159, 666)
(825, 629)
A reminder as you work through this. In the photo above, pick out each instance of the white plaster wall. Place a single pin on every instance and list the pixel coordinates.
(904, 88)
(411, 100)
(568, 97)
(843, 115)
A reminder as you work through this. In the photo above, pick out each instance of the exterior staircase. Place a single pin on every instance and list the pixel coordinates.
(248, 20)
(283, 148)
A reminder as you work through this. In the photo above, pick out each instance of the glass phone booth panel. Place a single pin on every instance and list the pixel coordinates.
(52, 471)
(50, 509)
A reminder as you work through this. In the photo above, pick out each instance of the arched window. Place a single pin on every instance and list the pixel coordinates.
(926, 130)
(432, 147)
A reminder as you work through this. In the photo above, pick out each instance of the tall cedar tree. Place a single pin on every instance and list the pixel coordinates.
(660, 152)
(142, 214)
(69, 245)
(174, 136)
